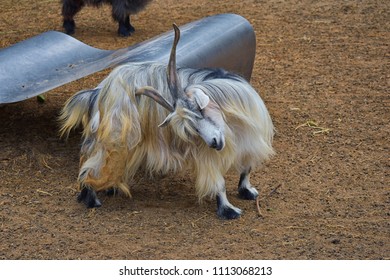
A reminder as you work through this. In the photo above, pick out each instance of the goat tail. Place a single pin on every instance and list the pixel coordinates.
(76, 111)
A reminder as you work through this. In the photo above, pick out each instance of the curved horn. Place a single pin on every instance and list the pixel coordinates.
(156, 96)
(173, 79)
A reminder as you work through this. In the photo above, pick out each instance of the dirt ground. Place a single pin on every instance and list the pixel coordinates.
(322, 68)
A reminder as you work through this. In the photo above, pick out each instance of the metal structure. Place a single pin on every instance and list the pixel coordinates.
(52, 59)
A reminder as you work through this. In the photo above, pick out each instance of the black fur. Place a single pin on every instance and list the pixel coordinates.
(92, 100)
(121, 11)
(219, 73)
(111, 192)
(243, 192)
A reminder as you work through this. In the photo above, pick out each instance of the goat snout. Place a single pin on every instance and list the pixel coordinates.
(217, 144)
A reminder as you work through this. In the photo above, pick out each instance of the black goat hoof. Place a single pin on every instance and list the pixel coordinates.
(69, 26)
(124, 32)
(131, 28)
(89, 198)
(229, 213)
(248, 194)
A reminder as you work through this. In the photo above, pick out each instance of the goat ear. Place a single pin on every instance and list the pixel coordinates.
(201, 98)
(167, 120)
(156, 96)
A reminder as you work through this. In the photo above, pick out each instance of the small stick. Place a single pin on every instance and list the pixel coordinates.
(272, 192)
(45, 164)
(275, 189)
(40, 191)
(258, 207)
(258, 199)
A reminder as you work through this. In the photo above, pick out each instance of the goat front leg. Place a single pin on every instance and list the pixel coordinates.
(225, 209)
(245, 189)
(210, 182)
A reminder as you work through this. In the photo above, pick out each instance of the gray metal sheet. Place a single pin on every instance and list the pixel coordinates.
(52, 59)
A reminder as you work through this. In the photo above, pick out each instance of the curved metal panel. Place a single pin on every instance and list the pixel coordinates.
(52, 59)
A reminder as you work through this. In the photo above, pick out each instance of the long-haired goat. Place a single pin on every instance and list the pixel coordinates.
(210, 120)
(121, 11)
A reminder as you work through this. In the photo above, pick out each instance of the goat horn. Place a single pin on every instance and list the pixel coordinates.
(173, 79)
(156, 96)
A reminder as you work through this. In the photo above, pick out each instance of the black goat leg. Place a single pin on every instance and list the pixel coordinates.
(69, 9)
(125, 28)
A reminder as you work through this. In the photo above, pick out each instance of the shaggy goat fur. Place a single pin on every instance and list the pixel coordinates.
(121, 11)
(122, 134)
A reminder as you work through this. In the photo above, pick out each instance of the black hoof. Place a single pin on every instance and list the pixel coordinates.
(124, 32)
(131, 28)
(89, 198)
(69, 26)
(247, 194)
(125, 28)
(227, 213)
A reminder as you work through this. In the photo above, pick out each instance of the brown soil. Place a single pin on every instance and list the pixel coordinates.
(322, 68)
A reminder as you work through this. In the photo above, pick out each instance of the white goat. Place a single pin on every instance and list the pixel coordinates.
(210, 121)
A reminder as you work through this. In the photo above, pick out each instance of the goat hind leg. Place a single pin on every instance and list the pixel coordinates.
(103, 171)
(245, 189)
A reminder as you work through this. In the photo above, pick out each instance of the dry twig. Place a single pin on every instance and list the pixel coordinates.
(258, 207)
(258, 199)
(44, 192)
(314, 125)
